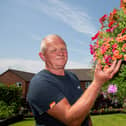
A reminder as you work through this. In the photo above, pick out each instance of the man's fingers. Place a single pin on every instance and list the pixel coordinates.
(98, 67)
(110, 70)
(117, 67)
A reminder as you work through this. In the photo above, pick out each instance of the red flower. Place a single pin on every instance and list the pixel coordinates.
(123, 30)
(91, 49)
(108, 30)
(103, 18)
(108, 60)
(112, 15)
(112, 29)
(115, 45)
(96, 36)
(111, 23)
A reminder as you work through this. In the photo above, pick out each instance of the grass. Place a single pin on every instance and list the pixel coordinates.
(109, 120)
(25, 122)
(98, 120)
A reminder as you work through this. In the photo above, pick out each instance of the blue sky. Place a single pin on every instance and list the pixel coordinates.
(24, 23)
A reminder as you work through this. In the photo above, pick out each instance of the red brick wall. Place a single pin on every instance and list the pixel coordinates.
(10, 78)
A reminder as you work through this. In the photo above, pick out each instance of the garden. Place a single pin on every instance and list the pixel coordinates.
(108, 107)
(108, 45)
(10, 104)
(98, 120)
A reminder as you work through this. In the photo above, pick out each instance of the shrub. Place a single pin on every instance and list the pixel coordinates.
(5, 110)
(10, 100)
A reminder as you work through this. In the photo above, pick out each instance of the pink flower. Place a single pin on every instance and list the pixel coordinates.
(112, 88)
(108, 60)
(91, 49)
(115, 45)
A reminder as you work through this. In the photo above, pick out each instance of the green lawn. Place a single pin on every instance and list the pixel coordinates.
(99, 120)
(109, 120)
(25, 122)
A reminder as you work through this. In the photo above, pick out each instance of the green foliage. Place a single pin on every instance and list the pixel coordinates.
(5, 110)
(120, 80)
(10, 100)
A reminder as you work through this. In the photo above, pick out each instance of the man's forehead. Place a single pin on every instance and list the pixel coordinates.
(50, 41)
(53, 39)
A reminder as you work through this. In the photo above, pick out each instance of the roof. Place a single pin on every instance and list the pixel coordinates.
(27, 76)
(83, 74)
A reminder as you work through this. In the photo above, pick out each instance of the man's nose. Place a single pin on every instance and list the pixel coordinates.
(60, 52)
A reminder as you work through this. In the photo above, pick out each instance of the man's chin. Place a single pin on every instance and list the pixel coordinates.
(60, 66)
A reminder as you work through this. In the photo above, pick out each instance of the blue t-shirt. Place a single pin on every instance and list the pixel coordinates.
(47, 89)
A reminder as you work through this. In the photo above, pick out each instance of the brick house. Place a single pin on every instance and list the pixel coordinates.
(85, 76)
(21, 78)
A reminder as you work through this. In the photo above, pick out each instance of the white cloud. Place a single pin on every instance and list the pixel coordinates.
(72, 64)
(74, 17)
(21, 64)
(31, 65)
(78, 20)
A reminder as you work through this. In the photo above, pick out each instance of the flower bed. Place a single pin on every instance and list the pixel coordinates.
(107, 111)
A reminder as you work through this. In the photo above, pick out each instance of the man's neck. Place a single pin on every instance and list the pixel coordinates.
(56, 71)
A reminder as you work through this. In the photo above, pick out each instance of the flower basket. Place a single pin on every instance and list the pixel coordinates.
(109, 43)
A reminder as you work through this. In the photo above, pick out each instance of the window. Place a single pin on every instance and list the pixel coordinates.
(87, 83)
(19, 84)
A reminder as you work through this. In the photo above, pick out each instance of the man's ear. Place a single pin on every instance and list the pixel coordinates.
(42, 56)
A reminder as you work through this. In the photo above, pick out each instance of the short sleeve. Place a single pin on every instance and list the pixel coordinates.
(44, 96)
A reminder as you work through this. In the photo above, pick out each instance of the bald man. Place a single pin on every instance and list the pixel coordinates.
(55, 95)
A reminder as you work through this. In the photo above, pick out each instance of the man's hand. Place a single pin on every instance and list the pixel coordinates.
(101, 76)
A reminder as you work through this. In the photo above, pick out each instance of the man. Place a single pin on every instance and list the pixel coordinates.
(55, 96)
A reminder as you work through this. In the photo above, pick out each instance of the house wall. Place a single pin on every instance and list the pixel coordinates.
(10, 78)
(85, 84)
(82, 83)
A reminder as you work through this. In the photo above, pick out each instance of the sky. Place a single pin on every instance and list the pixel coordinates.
(24, 23)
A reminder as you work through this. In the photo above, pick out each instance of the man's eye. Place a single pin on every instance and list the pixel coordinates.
(53, 50)
(63, 49)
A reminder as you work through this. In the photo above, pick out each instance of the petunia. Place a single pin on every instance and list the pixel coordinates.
(119, 39)
(108, 60)
(119, 56)
(111, 23)
(114, 58)
(96, 36)
(124, 37)
(116, 53)
(124, 57)
(91, 49)
(123, 30)
(103, 18)
(115, 45)
(112, 88)
(124, 47)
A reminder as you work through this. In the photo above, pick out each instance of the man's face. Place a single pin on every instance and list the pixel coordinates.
(56, 54)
